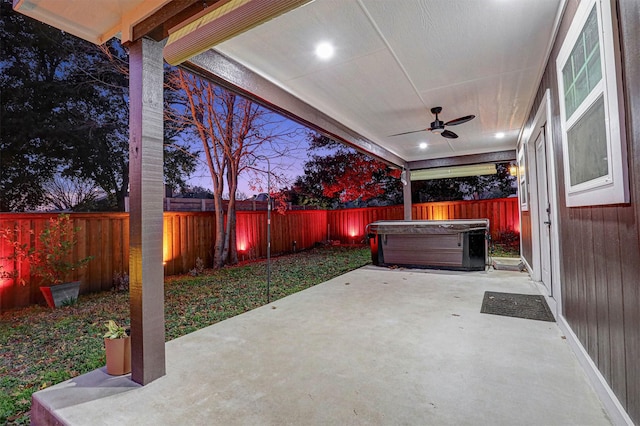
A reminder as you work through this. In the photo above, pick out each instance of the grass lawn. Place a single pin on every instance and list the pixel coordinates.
(504, 250)
(40, 347)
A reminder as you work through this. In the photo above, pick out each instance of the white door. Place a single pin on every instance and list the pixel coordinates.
(544, 212)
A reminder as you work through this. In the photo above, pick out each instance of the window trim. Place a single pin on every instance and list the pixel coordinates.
(612, 188)
(523, 190)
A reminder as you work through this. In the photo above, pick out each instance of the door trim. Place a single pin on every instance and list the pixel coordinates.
(541, 122)
(543, 206)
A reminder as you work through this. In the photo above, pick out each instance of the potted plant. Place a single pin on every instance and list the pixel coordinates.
(51, 259)
(117, 344)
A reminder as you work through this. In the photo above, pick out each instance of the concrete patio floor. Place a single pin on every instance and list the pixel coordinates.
(372, 347)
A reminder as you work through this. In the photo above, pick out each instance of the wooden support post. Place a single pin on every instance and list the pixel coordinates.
(146, 195)
(406, 192)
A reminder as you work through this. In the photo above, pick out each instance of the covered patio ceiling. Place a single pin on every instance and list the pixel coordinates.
(394, 60)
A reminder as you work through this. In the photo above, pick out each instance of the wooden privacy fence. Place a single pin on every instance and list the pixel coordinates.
(503, 213)
(105, 236)
(186, 237)
(348, 226)
(190, 235)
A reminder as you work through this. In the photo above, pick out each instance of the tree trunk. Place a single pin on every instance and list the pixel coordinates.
(218, 260)
(218, 248)
(232, 130)
(231, 218)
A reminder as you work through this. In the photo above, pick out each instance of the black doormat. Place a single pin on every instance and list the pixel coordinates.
(528, 306)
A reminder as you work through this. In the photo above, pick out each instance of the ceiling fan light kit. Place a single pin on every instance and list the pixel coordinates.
(438, 127)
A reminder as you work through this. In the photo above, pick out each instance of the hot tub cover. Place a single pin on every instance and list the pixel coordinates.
(454, 226)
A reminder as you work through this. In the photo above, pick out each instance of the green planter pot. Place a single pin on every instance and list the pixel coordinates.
(60, 294)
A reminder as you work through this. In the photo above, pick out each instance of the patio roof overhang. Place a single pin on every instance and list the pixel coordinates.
(393, 62)
(93, 22)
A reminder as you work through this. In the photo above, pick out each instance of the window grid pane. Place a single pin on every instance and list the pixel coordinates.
(583, 70)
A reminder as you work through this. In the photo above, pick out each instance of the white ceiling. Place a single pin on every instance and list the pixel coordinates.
(395, 59)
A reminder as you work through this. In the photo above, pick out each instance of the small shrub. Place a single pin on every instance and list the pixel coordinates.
(70, 301)
(507, 243)
(115, 331)
(510, 239)
(50, 260)
(7, 274)
(199, 268)
(247, 254)
(120, 282)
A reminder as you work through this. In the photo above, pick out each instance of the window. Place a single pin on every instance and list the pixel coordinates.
(593, 138)
(523, 192)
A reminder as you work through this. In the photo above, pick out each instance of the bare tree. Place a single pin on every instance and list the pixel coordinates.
(71, 193)
(234, 132)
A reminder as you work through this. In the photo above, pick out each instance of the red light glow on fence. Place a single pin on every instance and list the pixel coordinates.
(6, 268)
(165, 248)
(243, 241)
(5, 283)
(440, 214)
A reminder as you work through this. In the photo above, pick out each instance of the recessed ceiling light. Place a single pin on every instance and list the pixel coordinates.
(324, 50)
(423, 145)
(500, 135)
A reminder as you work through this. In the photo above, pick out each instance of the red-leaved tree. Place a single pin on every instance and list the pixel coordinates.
(345, 175)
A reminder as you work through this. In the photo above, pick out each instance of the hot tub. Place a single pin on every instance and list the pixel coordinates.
(438, 244)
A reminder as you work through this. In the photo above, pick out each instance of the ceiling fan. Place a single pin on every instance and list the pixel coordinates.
(438, 127)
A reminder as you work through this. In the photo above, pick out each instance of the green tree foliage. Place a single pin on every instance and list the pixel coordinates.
(499, 185)
(97, 120)
(340, 176)
(195, 192)
(34, 63)
(64, 112)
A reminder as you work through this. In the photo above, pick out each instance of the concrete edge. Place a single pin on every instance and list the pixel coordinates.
(43, 414)
(612, 405)
(97, 384)
(506, 264)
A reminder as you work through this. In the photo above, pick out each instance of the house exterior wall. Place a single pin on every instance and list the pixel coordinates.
(599, 245)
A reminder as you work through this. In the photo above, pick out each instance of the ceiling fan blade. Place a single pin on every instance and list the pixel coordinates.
(406, 133)
(460, 120)
(449, 134)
